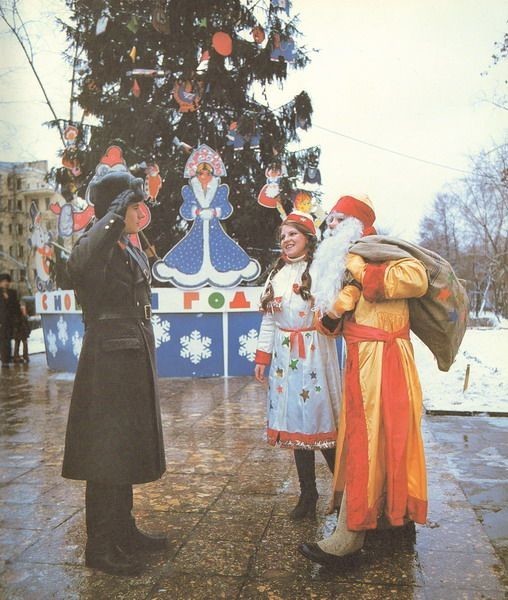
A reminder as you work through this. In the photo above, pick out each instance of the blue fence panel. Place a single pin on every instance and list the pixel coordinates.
(243, 329)
(189, 345)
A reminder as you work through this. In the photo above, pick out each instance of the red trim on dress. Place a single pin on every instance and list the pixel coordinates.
(295, 439)
(373, 282)
(262, 358)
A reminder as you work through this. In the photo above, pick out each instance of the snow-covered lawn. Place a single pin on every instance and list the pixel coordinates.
(485, 350)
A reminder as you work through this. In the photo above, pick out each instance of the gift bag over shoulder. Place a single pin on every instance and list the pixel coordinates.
(439, 318)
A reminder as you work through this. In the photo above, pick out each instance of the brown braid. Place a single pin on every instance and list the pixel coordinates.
(304, 289)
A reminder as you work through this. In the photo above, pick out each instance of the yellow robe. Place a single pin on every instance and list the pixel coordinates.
(384, 470)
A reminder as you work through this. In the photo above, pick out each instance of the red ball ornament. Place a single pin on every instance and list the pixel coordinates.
(222, 43)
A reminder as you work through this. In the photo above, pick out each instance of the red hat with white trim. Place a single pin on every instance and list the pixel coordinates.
(358, 206)
(305, 219)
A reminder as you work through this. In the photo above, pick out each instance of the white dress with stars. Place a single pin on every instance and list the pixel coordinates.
(304, 392)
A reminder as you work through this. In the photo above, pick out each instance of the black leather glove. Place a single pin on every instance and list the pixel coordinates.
(122, 201)
(329, 323)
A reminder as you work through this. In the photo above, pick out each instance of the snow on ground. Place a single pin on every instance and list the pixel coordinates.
(485, 351)
(36, 341)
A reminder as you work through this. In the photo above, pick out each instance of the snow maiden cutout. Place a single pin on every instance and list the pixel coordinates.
(206, 255)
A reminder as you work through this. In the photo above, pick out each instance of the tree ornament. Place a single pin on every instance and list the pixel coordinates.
(160, 19)
(258, 34)
(135, 89)
(302, 201)
(269, 196)
(153, 181)
(222, 43)
(133, 24)
(146, 73)
(284, 5)
(283, 48)
(102, 22)
(311, 173)
(188, 95)
(70, 134)
(243, 137)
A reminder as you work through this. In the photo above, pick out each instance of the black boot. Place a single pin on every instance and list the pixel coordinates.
(306, 467)
(102, 550)
(131, 539)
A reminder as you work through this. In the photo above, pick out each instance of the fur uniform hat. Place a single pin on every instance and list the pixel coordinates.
(358, 206)
(104, 191)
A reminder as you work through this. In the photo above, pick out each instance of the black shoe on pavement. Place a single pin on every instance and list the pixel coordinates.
(113, 561)
(313, 552)
(140, 541)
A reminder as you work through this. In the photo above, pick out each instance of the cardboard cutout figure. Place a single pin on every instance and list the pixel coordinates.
(206, 255)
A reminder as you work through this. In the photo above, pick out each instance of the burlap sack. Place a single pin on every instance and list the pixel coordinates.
(439, 318)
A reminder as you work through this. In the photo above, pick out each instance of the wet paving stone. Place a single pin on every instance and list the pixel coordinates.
(224, 503)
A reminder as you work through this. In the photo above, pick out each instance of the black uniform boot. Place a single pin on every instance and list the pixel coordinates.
(306, 467)
(130, 539)
(102, 550)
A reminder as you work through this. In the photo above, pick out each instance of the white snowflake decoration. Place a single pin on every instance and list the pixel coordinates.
(62, 331)
(195, 347)
(248, 345)
(51, 346)
(77, 342)
(160, 330)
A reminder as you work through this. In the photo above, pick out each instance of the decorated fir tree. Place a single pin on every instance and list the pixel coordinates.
(163, 77)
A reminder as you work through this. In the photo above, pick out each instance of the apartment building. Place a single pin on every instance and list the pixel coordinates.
(23, 185)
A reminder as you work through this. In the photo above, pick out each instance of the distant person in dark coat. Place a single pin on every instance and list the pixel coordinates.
(9, 317)
(114, 432)
(21, 335)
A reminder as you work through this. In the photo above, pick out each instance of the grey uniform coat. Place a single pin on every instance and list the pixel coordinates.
(114, 431)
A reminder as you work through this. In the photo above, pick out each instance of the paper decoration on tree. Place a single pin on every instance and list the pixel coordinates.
(113, 160)
(188, 95)
(206, 255)
(160, 19)
(70, 218)
(283, 48)
(311, 173)
(269, 196)
(222, 43)
(102, 22)
(177, 142)
(146, 73)
(302, 200)
(153, 182)
(133, 24)
(258, 34)
(70, 158)
(249, 138)
(204, 59)
(282, 4)
(135, 89)
(40, 242)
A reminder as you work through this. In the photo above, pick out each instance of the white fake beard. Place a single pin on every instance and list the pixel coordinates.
(329, 262)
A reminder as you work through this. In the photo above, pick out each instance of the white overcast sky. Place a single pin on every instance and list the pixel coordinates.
(413, 76)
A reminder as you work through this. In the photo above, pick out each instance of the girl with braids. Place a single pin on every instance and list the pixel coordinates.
(304, 380)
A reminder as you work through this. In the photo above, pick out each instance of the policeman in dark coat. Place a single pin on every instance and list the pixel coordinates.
(114, 433)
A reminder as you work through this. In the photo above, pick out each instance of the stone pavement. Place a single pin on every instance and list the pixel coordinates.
(224, 502)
